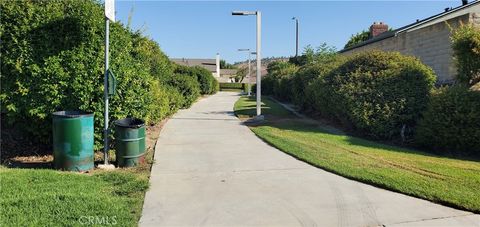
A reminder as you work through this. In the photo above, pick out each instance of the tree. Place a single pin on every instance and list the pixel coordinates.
(357, 38)
(241, 74)
(225, 65)
(310, 55)
(466, 50)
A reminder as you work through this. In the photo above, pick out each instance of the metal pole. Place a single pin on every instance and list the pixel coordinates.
(296, 50)
(105, 93)
(249, 72)
(259, 64)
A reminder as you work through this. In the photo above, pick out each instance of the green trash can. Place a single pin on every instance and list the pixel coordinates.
(73, 140)
(129, 142)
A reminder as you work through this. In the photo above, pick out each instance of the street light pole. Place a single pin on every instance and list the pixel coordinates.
(249, 69)
(296, 30)
(258, 53)
(259, 63)
(105, 93)
(249, 72)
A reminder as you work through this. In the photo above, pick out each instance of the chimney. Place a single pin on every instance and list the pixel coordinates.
(464, 2)
(378, 28)
(218, 65)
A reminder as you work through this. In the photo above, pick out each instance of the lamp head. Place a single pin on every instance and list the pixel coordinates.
(243, 13)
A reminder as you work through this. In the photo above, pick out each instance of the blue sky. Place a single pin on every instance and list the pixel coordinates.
(200, 29)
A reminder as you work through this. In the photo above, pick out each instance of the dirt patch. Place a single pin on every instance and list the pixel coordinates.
(17, 153)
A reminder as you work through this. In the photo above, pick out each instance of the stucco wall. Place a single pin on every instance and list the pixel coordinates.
(431, 44)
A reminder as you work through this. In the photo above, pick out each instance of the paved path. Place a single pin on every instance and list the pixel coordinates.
(210, 170)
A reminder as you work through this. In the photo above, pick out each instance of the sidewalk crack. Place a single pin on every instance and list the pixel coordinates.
(429, 219)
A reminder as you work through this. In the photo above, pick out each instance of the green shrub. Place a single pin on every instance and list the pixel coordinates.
(208, 84)
(149, 53)
(280, 73)
(53, 59)
(466, 49)
(451, 123)
(376, 93)
(188, 87)
(301, 90)
(240, 86)
(322, 53)
(175, 98)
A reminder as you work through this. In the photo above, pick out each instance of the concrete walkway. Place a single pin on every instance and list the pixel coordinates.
(210, 170)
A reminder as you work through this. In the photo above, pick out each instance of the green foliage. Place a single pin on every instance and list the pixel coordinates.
(53, 59)
(376, 93)
(148, 51)
(357, 38)
(242, 72)
(322, 61)
(280, 73)
(310, 55)
(208, 84)
(451, 123)
(466, 49)
(240, 86)
(188, 87)
(303, 92)
(225, 65)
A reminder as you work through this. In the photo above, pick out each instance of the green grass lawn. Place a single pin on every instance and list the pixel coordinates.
(34, 197)
(47, 197)
(444, 180)
(246, 107)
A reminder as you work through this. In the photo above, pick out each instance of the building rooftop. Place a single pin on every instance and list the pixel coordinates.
(209, 64)
(447, 14)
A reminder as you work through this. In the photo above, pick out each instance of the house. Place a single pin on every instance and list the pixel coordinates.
(227, 75)
(427, 39)
(212, 65)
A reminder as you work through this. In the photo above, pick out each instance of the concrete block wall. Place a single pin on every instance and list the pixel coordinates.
(431, 44)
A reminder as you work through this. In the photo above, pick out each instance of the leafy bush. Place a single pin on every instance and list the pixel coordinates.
(187, 86)
(52, 59)
(451, 123)
(280, 73)
(267, 85)
(357, 39)
(376, 93)
(175, 98)
(311, 55)
(240, 86)
(302, 91)
(148, 51)
(466, 49)
(208, 84)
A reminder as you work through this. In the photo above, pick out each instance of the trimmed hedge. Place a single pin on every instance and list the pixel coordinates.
(451, 123)
(208, 84)
(376, 93)
(302, 91)
(240, 86)
(53, 59)
(187, 86)
(281, 74)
